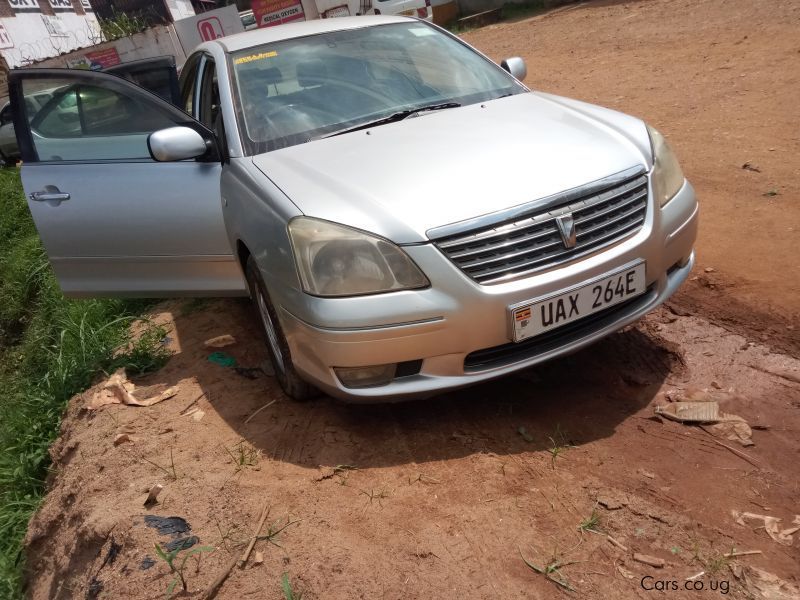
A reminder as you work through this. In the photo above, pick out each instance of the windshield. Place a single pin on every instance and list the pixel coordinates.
(297, 90)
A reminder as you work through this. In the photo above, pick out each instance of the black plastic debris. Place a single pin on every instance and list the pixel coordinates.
(147, 562)
(167, 525)
(181, 543)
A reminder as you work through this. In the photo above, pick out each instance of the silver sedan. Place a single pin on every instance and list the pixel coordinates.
(406, 215)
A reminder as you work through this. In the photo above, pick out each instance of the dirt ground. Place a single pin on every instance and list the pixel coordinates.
(565, 465)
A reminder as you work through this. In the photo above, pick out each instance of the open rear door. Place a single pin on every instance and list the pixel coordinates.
(158, 75)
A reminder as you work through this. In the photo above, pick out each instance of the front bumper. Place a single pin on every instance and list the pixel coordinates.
(450, 324)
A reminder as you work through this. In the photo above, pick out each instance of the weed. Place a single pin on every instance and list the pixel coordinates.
(228, 536)
(715, 563)
(146, 352)
(342, 472)
(551, 570)
(555, 451)
(123, 24)
(591, 523)
(343, 468)
(560, 444)
(168, 471)
(177, 570)
(376, 495)
(288, 592)
(274, 530)
(243, 455)
(422, 478)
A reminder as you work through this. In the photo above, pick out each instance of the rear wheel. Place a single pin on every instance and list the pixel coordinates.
(291, 382)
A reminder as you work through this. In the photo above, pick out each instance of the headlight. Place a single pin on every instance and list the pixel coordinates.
(667, 174)
(334, 260)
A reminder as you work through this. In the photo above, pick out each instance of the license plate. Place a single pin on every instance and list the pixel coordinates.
(538, 316)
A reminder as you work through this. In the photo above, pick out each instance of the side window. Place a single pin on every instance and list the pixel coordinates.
(209, 96)
(59, 117)
(188, 84)
(210, 110)
(91, 121)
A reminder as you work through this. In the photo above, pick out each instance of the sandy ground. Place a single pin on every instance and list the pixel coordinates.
(720, 80)
(443, 498)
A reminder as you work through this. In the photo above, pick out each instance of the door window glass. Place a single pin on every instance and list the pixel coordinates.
(87, 121)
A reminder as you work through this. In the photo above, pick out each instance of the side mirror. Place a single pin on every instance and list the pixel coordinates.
(176, 143)
(516, 66)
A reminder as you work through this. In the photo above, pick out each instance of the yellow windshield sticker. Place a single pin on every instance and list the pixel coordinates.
(252, 57)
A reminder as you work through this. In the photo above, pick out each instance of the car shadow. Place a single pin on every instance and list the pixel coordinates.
(570, 401)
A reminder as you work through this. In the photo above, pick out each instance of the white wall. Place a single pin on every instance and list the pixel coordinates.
(30, 40)
(152, 42)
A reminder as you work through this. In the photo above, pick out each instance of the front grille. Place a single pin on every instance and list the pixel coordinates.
(607, 212)
(514, 352)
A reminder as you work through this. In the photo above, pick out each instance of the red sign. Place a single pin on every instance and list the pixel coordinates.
(277, 12)
(102, 59)
(210, 29)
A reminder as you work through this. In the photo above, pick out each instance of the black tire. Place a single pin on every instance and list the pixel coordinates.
(292, 384)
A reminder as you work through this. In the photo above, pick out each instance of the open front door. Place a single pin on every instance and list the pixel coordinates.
(113, 220)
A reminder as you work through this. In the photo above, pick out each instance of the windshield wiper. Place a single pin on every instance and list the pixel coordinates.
(398, 116)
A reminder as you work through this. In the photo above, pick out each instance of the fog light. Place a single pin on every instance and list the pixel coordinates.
(361, 377)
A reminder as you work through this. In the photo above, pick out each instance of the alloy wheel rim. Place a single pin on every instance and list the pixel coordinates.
(269, 327)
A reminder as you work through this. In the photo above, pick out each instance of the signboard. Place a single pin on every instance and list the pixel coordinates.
(62, 5)
(25, 5)
(5, 39)
(96, 60)
(102, 59)
(277, 12)
(208, 26)
(54, 26)
(87, 6)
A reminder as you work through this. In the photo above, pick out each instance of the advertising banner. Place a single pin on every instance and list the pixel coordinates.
(102, 59)
(277, 12)
(208, 26)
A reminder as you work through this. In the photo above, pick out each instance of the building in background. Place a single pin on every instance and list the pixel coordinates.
(32, 30)
(153, 12)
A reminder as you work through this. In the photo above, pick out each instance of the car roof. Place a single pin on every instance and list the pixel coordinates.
(268, 35)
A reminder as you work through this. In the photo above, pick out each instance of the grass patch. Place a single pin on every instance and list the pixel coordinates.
(50, 349)
(591, 523)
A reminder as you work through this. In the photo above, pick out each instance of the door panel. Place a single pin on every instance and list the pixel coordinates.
(113, 220)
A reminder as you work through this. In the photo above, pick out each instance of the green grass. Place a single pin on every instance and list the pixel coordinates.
(50, 349)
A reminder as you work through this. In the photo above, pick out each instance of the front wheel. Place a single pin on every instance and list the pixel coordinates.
(291, 382)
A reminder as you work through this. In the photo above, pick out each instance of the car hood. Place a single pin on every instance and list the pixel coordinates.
(402, 179)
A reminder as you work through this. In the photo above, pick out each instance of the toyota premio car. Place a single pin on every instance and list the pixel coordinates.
(406, 215)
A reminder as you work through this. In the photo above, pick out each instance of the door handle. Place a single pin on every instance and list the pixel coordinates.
(49, 196)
